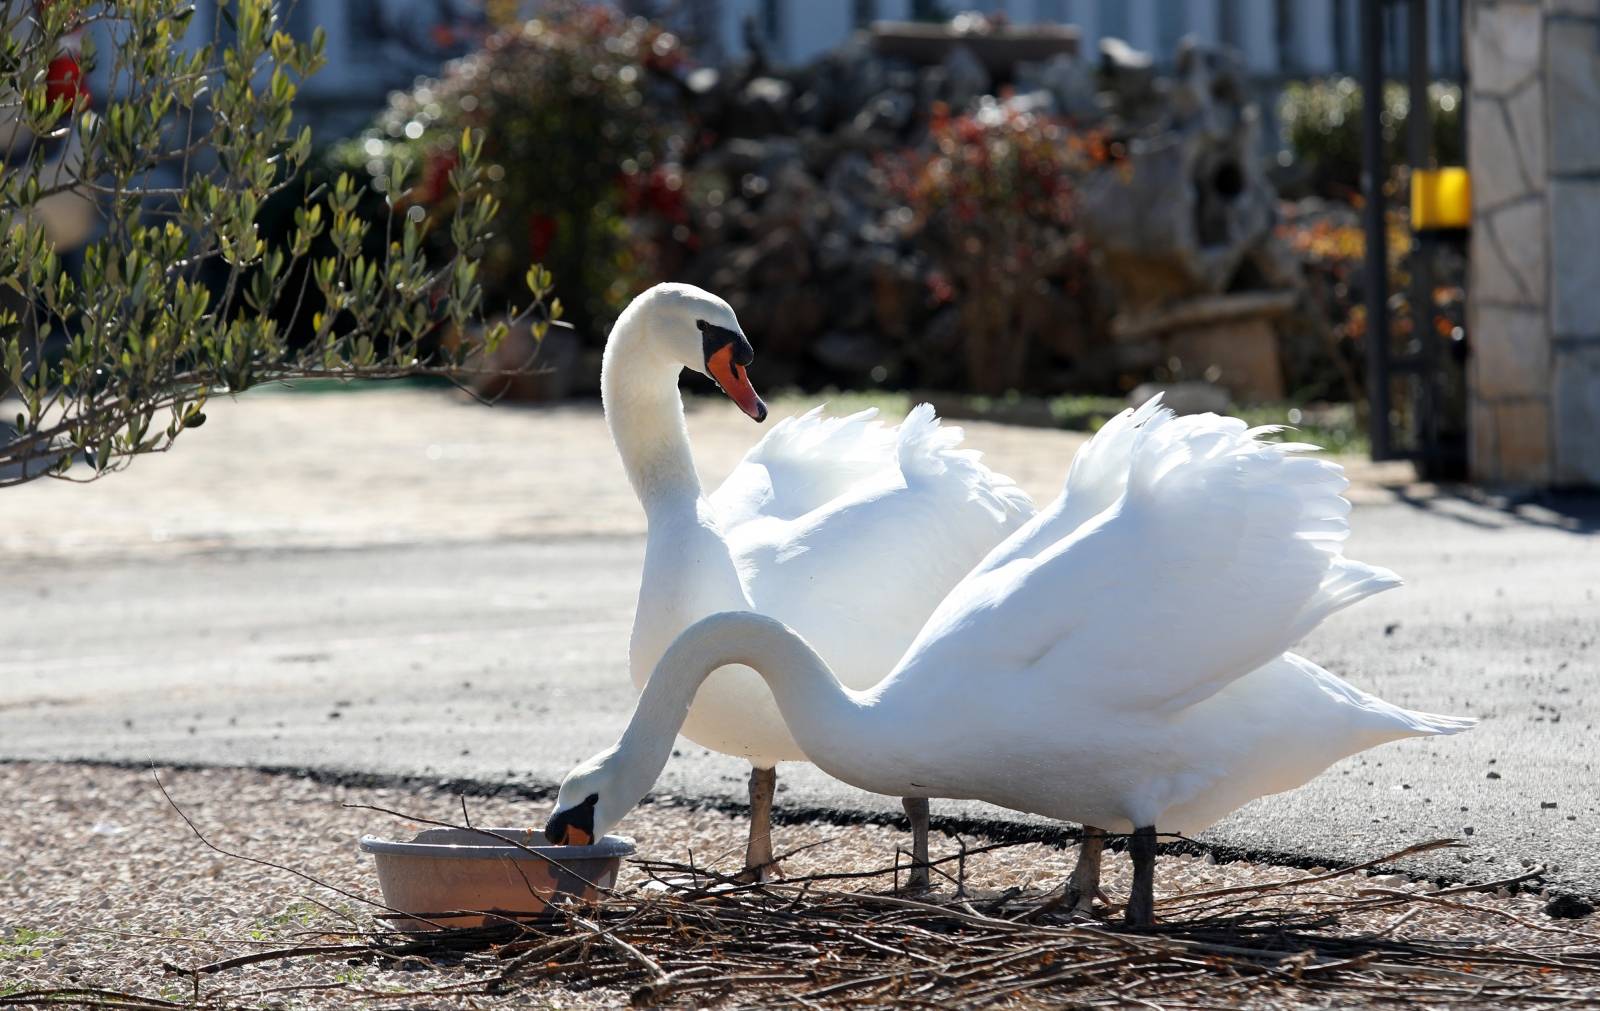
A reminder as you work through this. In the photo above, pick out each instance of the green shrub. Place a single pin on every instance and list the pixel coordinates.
(992, 198)
(560, 101)
(179, 298)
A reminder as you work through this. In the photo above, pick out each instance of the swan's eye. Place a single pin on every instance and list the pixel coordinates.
(715, 338)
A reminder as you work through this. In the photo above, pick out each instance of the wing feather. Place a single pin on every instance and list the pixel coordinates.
(859, 573)
(1221, 552)
(803, 463)
(1095, 481)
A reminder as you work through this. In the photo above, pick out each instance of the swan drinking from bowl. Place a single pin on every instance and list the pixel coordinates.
(844, 529)
(1124, 670)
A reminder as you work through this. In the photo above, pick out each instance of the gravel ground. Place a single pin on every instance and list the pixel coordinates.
(103, 883)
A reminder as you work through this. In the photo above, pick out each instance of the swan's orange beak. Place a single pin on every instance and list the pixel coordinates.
(731, 376)
(568, 835)
(572, 827)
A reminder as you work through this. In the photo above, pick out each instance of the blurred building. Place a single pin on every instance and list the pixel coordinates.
(1280, 38)
(373, 47)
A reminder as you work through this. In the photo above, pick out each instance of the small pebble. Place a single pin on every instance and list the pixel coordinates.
(1568, 907)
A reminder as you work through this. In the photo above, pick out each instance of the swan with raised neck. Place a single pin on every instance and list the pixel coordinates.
(870, 497)
(666, 329)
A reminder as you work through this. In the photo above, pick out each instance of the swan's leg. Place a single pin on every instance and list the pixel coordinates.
(1142, 897)
(1083, 887)
(758, 864)
(917, 812)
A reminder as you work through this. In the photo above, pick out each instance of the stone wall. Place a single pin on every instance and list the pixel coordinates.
(1534, 314)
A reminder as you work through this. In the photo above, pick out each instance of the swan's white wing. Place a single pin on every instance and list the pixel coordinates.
(1095, 481)
(803, 463)
(1222, 552)
(859, 574)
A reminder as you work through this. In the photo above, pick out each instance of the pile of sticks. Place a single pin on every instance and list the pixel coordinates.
(687, 936)
(692, 937)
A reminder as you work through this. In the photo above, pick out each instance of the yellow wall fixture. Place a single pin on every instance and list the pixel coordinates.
(1440, 198)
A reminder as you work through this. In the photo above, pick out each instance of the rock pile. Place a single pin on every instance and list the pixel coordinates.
(782, 200)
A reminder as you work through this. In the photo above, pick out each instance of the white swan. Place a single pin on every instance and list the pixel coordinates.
(1123, 670)
(844, 529)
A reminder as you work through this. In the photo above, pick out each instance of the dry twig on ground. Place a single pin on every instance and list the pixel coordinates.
(680, 933)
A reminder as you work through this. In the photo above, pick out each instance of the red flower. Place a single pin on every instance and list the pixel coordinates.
(64, 80)
(541, 234)
(436, 175)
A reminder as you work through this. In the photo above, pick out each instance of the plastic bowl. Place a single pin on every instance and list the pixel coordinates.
(451, 877)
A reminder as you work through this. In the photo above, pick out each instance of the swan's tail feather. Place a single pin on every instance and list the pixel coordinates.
(1377, 720)
(930, 452)
(1389, 722)
(1435, 725)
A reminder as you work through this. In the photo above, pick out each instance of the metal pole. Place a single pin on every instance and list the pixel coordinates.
(1419, 137)
(1377, 267)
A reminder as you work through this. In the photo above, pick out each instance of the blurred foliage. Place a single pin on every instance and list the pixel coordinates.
(178, 298)
(560, 102)
(1328, 239)
(1322, 127)
(1321, 123)
(992, 201)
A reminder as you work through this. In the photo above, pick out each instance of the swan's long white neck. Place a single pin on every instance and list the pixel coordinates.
(825, 717)
(639, 389)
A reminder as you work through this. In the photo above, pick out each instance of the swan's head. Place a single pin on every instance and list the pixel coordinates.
(700, 332)
(593, 798)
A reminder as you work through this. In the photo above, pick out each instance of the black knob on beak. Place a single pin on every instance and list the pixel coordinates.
(574, 826)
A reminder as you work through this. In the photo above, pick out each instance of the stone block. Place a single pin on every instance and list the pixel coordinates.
(1510, 353)
(1493, 280)
(1240, 355)
(1482, 456)
(1526, 113)
(1503, 45)
(1574, 96)
(1507, 259)
(1522, 442)
(1519, 232)
(1184, 398)
(1576, 407)
(1574, 268)
(1497, 174)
